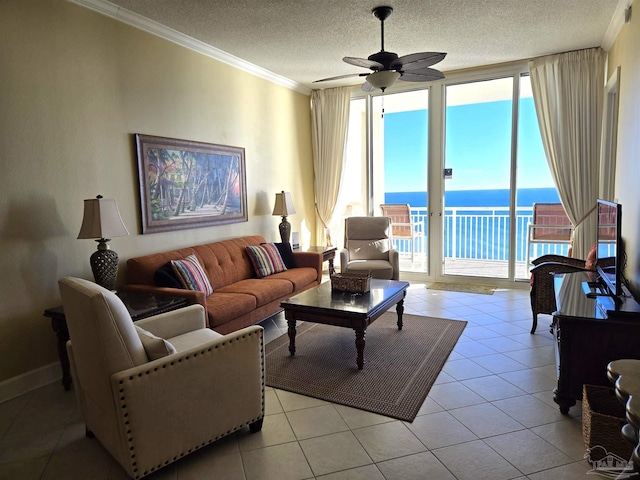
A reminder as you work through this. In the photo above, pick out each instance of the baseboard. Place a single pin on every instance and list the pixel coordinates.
(16, 386)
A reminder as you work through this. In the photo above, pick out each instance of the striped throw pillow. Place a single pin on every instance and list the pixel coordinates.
(266, 259)
(191, 274)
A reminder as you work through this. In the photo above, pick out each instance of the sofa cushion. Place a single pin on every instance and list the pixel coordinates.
(227, 261)
(223, 307)
(165, 276)
(154, 346)
(300, 277)
(264, 290)
(191, 274)
(266, 259)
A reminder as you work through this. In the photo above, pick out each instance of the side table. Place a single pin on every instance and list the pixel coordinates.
(328, 255)
(140, 305)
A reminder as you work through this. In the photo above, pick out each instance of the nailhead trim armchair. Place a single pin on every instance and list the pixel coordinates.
(148, 414)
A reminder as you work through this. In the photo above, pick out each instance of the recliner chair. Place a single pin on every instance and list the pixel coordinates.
(158, 390)
(368, 247)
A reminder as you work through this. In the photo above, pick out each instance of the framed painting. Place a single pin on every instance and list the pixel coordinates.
(185, 184)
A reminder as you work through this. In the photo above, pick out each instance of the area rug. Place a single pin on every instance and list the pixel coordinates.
(399, 370)
(462, 287)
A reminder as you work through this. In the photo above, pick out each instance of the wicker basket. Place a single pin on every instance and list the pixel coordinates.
(351, 282)
(603, 417)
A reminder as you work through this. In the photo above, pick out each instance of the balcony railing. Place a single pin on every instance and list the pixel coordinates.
(479, 233)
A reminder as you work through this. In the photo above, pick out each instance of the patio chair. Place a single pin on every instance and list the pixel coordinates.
(550, 225)
(402, 225)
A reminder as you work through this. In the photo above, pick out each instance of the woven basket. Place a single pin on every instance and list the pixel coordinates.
(603, 417)
(351, 282)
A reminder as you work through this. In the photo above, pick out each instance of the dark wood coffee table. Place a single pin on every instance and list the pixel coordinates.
(321, 305)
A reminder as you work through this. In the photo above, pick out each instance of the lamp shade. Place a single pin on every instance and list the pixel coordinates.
(284, 204)
(102, 219)
(383, 79)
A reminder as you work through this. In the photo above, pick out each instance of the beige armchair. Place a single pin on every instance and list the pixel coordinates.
(158, 390)
(368, 247)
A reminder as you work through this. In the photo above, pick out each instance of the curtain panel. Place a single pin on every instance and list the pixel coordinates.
(568, 91)
(329, 126)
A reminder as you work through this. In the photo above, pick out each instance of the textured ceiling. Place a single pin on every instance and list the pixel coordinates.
(305, 40)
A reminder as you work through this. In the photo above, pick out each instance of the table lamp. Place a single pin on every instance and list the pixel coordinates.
(102, 221)
(283, 207)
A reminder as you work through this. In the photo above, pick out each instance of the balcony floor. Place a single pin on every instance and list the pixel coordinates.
(466, 267)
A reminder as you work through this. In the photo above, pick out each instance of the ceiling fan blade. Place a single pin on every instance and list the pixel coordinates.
(422, 75)
(339, 77)
(363, 62)
(415, 61)
(367, 87)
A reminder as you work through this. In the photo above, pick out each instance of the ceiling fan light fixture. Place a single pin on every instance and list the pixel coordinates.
(383, 79)
(387, 67)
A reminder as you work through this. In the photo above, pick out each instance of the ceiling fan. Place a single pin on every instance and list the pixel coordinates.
(387, 67)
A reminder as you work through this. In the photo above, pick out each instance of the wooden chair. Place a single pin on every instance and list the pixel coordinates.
(402, 224)
(543, 298)
(550, 225)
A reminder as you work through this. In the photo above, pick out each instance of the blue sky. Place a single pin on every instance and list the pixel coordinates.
(477, 148)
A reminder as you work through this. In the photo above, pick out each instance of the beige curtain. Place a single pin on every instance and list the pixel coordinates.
(329, 125)
(568, 92)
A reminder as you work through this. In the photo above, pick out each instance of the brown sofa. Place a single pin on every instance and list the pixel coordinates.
(239, 297)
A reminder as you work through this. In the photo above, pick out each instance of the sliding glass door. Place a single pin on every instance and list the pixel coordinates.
(464, 156)
(477, 178)
(400, 180)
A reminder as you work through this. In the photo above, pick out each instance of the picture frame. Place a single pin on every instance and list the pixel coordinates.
(186, 184)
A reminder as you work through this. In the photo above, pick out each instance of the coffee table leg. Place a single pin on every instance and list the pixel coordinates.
(400, 311)
(292, 335)
(360, 347)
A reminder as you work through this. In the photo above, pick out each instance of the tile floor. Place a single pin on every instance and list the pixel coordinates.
(490, 415)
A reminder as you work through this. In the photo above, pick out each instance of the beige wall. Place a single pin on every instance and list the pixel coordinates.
(625, 55)
(75, 87)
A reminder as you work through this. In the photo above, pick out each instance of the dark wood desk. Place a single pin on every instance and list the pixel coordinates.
(589, 333)
(140, 305)
(328, 255)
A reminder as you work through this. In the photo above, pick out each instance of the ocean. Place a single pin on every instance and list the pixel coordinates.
(486, 238)
(480, 198)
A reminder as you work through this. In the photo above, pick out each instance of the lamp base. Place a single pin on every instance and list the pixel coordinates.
(104, 265)
(285, 230)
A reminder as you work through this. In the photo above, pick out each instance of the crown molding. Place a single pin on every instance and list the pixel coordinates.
(617, 21)
(138, 21)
